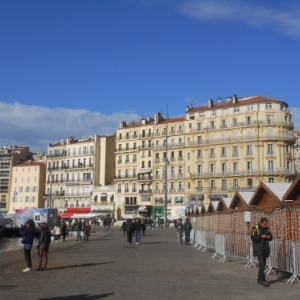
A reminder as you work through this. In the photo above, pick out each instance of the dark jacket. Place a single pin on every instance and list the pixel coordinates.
(138, 226)
(187, 226)
(79, 227)
(179, 227)
(87, 229)
(260, 246)
(129, 227)
(45, 239)
(64, 228)
(28, 234)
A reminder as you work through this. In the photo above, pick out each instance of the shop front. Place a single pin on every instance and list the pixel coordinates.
(179, 200)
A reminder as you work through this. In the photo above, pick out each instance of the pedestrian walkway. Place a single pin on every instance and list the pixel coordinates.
(158, 268)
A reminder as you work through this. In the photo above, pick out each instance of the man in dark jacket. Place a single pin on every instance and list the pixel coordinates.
(187, 227)
(261, 235)
(138, 228)
(129, 231)
(79, 230)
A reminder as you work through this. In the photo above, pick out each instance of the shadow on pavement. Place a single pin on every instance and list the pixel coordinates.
(79, 266)
(81, 296)
(281, 278)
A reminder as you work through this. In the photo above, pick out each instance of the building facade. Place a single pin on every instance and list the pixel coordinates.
(296, 151)
(211, 152)
(27, 186)
(75, 167)
(9, 156)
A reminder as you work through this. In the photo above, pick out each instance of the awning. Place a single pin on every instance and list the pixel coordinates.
(78, 210)
(141, 171)
(65, 215)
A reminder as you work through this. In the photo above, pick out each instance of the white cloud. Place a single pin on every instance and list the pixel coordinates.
(37, 126)
(286, 21)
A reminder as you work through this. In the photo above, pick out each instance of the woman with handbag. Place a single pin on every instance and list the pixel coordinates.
(27, 231)
(43, 246)
(87, 230)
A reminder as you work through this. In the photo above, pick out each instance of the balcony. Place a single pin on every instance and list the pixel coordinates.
(145, 191)
(270, 152)
(126, 161)
(180, 190)
(223, 155)
(249, 153)
(124, 177)
(180, 158)
(119, 162)
(157, 191)
(199, 157)
(172, 190)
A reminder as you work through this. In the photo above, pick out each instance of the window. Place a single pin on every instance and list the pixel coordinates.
(199, 126)
(212, 169)
(199, 169)
(223, 123)
(223, 151)
(269, 119)
(180, 186)
(143, 164)
(199, 153)
(271, 166)
(126, 173)
(190, 125)
(250, 107)
(28, 179)
(235, 151)
(127, 146)
(27, 189)
(270, 149)
(180, 170)
(234, 136)
(235, 183)
(20, 189)
(224, 184)
(236, 110)
(149, 164)
(212, 152)
(134, 172)
(249, 166)
(212, 124)
(224, 168)
(134, 145)
(235, 168)
(86, 176)
(268, 105)
(234, 122)
(270, 132)
(119, 188)
(249, 150)
(271, 180)
(188, 156)
(199, 139)
(199, 185)
(249, 182)
(212, 184)
(248, 120)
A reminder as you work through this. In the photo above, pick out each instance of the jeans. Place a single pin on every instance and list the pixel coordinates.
(179, 235)
(129, 237)
(79, 235)
(28, 258)
(187, 236)
(261, 271)
(137, 236)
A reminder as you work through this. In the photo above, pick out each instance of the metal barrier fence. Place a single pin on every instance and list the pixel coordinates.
(284, 254)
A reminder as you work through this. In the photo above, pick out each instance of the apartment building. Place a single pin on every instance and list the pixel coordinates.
(75, 167)
(297, 151)
(27, 186)
(9, 156)
(213, 151)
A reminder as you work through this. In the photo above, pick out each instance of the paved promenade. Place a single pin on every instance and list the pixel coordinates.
(158, 268)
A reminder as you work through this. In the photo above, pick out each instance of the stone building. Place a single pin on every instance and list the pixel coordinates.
(212, 151)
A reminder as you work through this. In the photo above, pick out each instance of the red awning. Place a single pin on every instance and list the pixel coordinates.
(65, 215)
(78, 210)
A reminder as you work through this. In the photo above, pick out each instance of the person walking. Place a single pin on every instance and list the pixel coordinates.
(143, 228)
(57, 232)
(27, 232)
(63, 230)
(43, 246)
(261, 235)
(123, 227)
(187, 227)
(87, 230)
(105, 224)
(129, 231)
(179, 229)
(138, 228)
(79, 230)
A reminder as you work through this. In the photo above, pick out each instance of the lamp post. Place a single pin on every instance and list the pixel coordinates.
(166, 177)
(50, 171)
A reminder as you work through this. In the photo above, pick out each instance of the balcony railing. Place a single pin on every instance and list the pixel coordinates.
(145, 191)
(246, 172)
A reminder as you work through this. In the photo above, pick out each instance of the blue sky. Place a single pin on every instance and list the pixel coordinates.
(79, 67)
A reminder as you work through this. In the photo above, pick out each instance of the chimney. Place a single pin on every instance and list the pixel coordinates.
(158, 118)
(122, 124)
(144, 121)
(219, 100)
(210, 103)
(235, 99)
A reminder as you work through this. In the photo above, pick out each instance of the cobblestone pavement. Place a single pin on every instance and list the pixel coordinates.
(158, 268)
